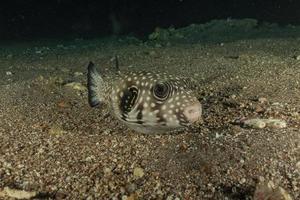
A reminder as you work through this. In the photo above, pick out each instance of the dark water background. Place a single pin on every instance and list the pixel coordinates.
(35, 19)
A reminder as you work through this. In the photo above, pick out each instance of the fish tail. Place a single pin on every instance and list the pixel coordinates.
(94, 83)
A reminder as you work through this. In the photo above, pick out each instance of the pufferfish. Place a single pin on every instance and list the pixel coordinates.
(146, 102)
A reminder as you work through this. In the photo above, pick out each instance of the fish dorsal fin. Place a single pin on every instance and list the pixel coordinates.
(95, 84)
(117, 66)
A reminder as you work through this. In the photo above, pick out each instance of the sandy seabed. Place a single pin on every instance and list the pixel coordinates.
(53, 143)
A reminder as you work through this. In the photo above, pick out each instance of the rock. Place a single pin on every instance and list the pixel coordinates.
(267, 191)
(138, 172)
(254, 123)
(16, 194)
(275, 123)
(76, 86)
(262, 123)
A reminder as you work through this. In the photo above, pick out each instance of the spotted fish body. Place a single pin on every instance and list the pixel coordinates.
(146, 102)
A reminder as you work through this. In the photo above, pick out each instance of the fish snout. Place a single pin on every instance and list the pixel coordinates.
(193, 112)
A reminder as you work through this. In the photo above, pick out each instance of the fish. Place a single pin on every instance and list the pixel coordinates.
(145, 101)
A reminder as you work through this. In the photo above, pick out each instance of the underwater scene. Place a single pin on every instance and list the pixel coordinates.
(202, 110)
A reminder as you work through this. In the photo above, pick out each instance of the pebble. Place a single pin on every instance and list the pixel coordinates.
(107, 171)
(297, 57)
(122, 190)
(90, 198)
(138, 172)
(65, 70)
(262, 100)
(76, 86)
(131, 187)
(242, 181)
(9, 73)
(89, 158)
(78, 74)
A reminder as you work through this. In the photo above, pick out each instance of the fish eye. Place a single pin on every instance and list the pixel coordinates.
(161, 91)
